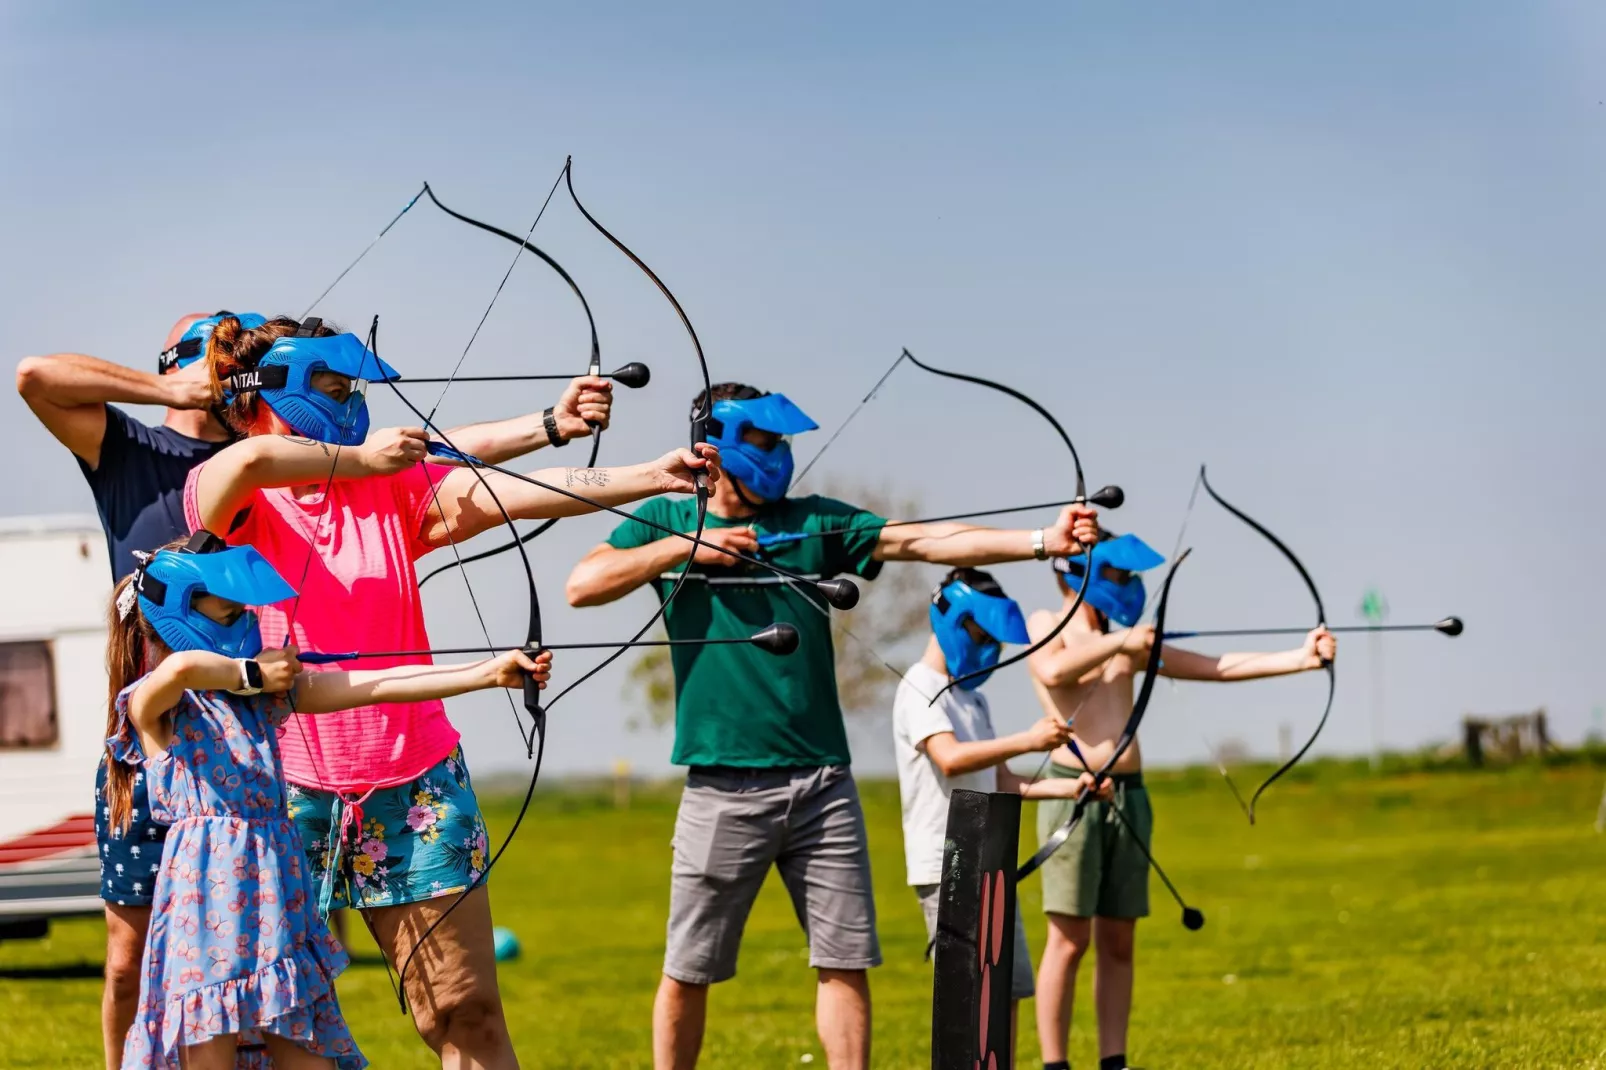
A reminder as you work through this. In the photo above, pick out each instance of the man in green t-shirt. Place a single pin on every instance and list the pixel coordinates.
(763, 737)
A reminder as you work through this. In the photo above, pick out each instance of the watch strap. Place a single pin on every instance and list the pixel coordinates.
(250, 677)
(1039, 547)
(550, 422)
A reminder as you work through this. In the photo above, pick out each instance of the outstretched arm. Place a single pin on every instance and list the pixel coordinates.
(227, 482)
(326, 692)
(1226, 668)
(588, 400)
(69, 393)
(466, 508)
(950, 543)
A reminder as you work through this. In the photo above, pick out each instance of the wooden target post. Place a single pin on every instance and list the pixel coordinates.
(975, 948)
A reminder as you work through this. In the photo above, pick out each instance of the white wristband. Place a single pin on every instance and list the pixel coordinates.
(1039, 549)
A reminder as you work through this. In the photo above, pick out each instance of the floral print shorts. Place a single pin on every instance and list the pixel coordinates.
(400, 845)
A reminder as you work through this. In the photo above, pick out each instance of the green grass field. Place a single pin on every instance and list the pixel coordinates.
(1412, 920)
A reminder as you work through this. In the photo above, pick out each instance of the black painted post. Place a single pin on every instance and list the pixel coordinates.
(975, 953)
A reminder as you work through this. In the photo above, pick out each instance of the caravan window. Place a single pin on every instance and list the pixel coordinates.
(27, 696)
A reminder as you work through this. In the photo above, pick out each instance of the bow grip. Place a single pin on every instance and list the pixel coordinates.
(532, 701)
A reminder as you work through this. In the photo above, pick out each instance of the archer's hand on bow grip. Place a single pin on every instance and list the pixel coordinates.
(537, 670)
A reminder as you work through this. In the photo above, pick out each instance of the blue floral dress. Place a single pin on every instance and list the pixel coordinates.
(236, 944)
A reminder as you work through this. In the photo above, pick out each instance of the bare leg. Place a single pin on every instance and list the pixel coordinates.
(451, 985)
(214, 1054)
(1068, 939)
(288, 1055)
(1113, 940)
(338, 926)
(125, 950)
(679, 1014)
(842, 1016)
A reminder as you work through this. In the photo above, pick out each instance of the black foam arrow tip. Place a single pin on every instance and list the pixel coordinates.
(778, 638)
(842, 594)
(1450, 626)
(635, 375)
(1111, 497)
(1192, 919)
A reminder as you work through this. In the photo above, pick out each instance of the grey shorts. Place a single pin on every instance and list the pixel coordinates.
(732, 827)
(1021, 983)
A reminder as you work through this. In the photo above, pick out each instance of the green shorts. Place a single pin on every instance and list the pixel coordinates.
(1100, 871)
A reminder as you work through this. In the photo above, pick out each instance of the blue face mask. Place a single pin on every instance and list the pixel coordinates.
(191, 345)
(284, 378)
(951, 606)
(1121, 602)
(767, 473)
(168, 583)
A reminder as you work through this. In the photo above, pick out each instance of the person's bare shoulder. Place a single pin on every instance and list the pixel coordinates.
(1040, 623)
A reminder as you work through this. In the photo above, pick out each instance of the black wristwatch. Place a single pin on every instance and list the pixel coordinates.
(554, 436)
(250, 677)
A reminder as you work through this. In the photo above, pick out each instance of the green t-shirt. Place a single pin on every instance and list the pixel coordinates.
(739, 705)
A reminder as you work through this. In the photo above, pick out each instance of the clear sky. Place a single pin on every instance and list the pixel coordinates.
(1347, 254)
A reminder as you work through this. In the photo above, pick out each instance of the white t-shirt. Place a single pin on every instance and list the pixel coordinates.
(921, 784)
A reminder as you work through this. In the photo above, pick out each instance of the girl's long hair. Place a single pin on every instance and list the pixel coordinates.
(132, 649)
(234, 348)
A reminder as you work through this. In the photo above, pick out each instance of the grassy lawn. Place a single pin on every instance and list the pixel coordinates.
(1413, 920)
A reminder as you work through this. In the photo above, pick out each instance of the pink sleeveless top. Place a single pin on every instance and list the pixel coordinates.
(359, 593)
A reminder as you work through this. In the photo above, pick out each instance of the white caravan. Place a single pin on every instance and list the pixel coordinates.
(52, 716)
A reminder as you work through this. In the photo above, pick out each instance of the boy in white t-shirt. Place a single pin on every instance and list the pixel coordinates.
(951, 744)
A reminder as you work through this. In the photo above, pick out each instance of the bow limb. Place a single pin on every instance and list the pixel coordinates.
(594, 367)
(1129, 732)
(1321, 622)
(699, 422)
(1081, 496)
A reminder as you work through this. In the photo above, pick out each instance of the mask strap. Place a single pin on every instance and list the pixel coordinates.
(308, 328)
(204, 542)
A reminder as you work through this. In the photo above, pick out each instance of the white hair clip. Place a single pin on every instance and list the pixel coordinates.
(125, 600)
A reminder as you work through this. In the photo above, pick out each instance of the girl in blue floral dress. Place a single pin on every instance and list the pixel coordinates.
(238, 958)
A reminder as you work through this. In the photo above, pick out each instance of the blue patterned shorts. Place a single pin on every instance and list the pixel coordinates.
(403, 844)
(128, 860)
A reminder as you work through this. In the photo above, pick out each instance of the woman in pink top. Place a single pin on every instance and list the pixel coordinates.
(380, 793)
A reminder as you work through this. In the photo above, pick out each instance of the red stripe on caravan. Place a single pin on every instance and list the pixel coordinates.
(70, 835)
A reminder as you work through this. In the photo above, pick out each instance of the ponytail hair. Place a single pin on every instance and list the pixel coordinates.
(132, 649)
(234, 348)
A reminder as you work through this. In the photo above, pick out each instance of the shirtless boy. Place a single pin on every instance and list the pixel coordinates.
(1096, 887)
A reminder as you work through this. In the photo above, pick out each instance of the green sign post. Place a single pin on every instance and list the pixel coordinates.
(1374, 609)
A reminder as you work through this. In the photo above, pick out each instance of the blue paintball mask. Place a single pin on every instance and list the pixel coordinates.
(284, 378)
(191, 345)
(767, 473)
(955, 602)
(1120, 598)
(167, 582)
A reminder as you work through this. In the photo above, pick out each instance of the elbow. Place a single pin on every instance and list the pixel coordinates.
(949, 767)
(581, 592)
(31, 376)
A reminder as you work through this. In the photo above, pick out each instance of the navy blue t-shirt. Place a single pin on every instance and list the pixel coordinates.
(139, 485)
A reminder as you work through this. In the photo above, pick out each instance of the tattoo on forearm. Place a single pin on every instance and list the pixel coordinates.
(585, 477)
(299, 441)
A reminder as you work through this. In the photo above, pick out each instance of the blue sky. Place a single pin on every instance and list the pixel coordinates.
(1349, 255)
